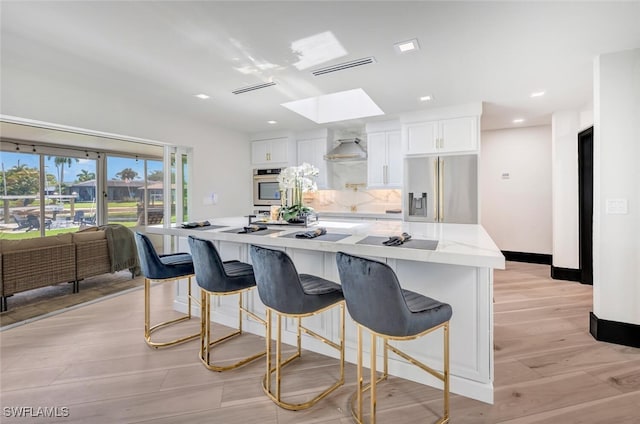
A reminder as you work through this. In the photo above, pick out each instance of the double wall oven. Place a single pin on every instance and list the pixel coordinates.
(266, 190)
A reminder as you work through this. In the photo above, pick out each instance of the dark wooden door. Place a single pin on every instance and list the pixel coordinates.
(585, 199)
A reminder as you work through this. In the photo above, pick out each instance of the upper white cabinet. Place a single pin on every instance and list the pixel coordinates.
(384, 160)
(312, 151)
(442, 136)
(270, 152)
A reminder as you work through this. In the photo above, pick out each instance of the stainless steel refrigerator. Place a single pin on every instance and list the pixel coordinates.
(441, 189)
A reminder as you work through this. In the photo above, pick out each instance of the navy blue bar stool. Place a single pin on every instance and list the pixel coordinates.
(219, 278)
(377, 303)
(289, 294)
(162, 268)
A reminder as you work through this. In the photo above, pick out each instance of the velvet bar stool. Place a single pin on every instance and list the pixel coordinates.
(162, 268)
(376, 302)
(219, 278)
(286, 293)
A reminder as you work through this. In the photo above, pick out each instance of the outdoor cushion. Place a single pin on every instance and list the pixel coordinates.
(88, 236)
(35, 243)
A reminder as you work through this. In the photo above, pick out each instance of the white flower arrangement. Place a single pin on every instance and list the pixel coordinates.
(293, 182)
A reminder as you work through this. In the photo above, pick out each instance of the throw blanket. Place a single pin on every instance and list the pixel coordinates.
(122, 248)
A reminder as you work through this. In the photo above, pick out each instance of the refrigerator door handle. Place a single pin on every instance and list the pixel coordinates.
(435, 196)
(441, 190)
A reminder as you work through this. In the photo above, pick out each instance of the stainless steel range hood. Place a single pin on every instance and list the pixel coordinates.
(349, 149)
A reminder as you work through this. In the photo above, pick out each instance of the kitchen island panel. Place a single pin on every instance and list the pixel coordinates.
(459, 272)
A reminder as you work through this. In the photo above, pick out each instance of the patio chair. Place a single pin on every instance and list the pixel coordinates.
(34, 223)
(78, 217)
(23, 222)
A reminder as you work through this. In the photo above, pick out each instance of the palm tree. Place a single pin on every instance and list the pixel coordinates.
(85, 175)
(156, 175)
(127, 175)
(60, 162)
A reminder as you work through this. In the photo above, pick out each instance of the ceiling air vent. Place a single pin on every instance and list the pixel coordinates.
(343, 66)
(253, 87)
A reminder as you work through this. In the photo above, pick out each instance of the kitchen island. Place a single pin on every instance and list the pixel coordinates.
(450, 262)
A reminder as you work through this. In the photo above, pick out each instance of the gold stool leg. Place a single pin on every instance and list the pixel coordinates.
(268, 348)
(205, 325)
(360, 382)
(373, 378)
(207, 344)
(147, 309)
(278, 354)
(280, 362)
(446, 373)
(148, 328)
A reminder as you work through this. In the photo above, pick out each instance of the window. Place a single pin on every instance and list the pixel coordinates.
(47, 190)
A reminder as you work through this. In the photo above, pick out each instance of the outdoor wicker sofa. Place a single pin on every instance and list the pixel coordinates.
(66, 258)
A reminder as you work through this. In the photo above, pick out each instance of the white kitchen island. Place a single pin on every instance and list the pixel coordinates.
(459, 271)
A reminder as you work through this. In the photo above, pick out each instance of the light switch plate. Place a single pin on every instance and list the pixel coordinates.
(616, 207)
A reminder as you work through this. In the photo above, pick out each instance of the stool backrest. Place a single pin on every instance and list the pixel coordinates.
(277, 280)
(208, 266)
(150, 263)
(373, 294)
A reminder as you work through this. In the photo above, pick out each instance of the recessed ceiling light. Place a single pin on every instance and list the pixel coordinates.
(537, 94)
(272, 122)
(201, 96)
(426, 98)
(407, 46)
(518, 120)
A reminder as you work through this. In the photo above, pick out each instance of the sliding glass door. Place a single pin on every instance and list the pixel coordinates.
(134, 191)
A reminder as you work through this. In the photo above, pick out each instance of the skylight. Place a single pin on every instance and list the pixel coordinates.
(334, 107)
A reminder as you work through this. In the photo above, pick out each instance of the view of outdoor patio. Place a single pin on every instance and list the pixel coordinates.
(134, 189)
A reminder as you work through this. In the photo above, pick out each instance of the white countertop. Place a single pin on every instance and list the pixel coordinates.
(458, 244)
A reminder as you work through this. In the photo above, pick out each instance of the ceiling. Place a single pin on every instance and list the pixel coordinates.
(160, 54)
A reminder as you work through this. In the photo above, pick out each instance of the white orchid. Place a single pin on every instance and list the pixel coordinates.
(293, 182)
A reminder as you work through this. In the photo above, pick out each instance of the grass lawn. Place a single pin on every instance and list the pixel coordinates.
(23, 235)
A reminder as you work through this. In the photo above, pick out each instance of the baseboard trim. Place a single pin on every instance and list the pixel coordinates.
(568, 274)
(622, 333)
(532, 258)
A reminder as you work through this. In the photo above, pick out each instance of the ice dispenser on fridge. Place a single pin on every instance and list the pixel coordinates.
(418, 205)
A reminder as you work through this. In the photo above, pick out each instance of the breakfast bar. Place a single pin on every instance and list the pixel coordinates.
(453, 263)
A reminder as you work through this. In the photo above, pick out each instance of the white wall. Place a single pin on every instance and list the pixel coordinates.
(564, 144)
(516, 211)
(616, 267)
(221, 157)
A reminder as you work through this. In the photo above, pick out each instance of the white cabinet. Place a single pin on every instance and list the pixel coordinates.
(384, 160)
(443, 136)
(269, 152)
(312, 152)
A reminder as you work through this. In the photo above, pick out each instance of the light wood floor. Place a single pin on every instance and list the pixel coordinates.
(93, 360)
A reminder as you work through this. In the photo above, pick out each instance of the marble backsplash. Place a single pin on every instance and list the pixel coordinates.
(347, 192)
(356, 199)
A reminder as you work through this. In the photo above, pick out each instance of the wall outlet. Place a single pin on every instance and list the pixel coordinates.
(211, 199)
(616, 207)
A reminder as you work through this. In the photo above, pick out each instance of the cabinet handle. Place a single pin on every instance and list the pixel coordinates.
(385, 179)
